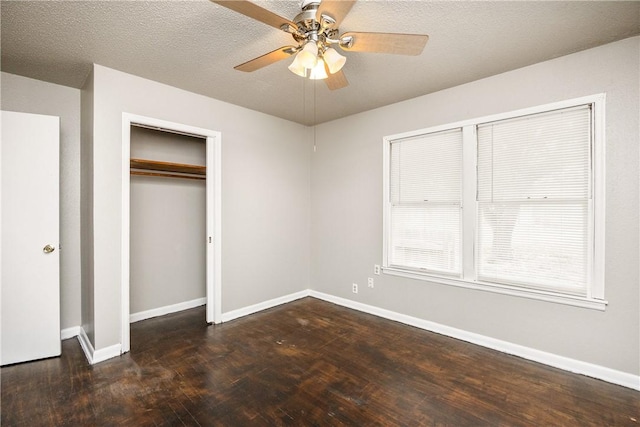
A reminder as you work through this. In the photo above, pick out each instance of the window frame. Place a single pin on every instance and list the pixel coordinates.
(595, 290)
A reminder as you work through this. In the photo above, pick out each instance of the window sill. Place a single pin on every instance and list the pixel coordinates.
(591, 303)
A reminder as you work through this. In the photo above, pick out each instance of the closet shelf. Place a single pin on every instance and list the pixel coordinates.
(167, 169)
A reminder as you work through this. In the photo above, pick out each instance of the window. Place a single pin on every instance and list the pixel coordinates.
(425, 199)
(510, 203)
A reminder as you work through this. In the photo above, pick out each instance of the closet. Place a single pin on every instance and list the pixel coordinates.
(167, 222)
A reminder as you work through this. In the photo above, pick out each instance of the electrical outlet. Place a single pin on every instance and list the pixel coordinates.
(376, 270)
(370, 282)
(354, 288)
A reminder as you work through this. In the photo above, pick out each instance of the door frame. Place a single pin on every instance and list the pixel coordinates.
(213, 215)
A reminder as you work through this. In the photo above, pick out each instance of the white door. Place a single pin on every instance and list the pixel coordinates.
(30, 286)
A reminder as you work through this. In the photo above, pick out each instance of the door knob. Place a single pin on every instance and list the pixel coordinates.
(48, 249)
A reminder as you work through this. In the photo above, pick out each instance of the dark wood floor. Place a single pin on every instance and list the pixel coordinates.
(306, 363)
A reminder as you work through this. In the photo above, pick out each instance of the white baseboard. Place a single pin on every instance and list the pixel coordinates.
(103, 354)
(96, 356)
(576, 366)
(161, 311)
(245, 311)
(85, 343)
(71, 332)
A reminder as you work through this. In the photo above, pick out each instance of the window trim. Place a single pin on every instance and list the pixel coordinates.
(595, 291)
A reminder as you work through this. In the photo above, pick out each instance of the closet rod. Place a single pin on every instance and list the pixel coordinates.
(156, 165)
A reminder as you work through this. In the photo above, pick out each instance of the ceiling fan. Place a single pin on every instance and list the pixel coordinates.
(315, 31)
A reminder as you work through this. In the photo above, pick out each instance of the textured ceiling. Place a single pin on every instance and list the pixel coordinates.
(194, 45)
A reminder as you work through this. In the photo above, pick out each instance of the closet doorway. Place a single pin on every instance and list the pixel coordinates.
(183, 168)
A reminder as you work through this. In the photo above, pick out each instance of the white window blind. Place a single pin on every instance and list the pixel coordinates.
(425, 202)
(534, 201)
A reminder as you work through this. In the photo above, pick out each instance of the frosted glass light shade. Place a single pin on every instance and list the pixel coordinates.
(318, 72)
(297, 68)
(308, 56)
(334, 60)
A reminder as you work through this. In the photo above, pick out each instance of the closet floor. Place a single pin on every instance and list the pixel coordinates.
(306, 363)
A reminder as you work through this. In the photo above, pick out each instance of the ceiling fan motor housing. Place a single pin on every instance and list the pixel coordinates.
(310, 29)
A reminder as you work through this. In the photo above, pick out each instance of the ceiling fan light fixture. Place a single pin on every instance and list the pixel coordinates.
(297, 68)
(308, 56)
(318, 72)
(334, 60)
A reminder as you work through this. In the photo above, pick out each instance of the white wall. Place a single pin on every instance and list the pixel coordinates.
(167, 223)
(86, 207)
(34, 96)
(265, 201)
(346, 189)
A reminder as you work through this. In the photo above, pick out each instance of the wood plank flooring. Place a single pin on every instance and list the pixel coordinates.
(306, 363)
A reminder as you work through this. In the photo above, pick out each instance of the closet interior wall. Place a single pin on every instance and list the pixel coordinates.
(167, 223)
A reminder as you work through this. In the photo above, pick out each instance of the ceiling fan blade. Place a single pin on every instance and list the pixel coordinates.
(399, 44)
(256, 12)
(266, 59)
(337, 9)
(336, 80)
